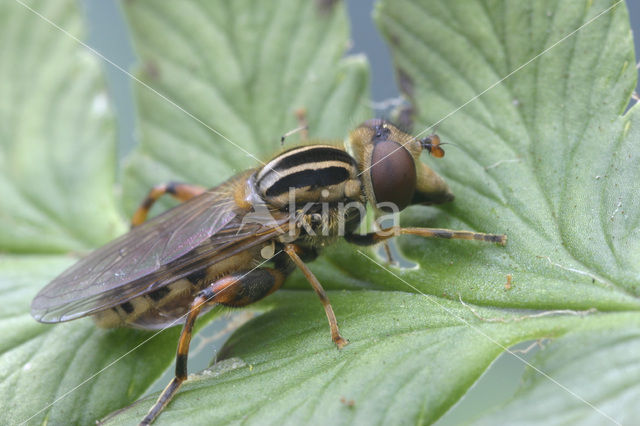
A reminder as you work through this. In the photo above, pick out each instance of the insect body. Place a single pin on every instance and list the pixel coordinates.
(236, 243)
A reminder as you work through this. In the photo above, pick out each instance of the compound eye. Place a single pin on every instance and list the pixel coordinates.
(393, 174)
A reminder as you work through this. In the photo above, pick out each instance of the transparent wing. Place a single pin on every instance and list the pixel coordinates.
(153, 255)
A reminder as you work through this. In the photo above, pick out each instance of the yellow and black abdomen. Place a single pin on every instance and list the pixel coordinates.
(169, 305)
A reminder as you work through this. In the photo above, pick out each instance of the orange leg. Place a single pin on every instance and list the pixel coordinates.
(180, 191)
(292, 250)
(233, 290)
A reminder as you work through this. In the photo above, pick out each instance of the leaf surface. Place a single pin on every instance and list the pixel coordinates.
(57, 146)
(603, 366)
(231, 76)
(547, 157)
(420, 357)
(42, 364)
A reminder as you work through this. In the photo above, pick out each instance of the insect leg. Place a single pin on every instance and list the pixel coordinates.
(303, 126)
(384, 234)
(387, 247)
(181, 361)
(233, 290)
(180, 191)
(387, 252)
(301, 116)
(292, 250)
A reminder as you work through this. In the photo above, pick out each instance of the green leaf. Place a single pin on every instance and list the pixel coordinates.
(42, 364)
(545, 157)
(48, 371)
(604, 367)
(522, 146)
(57, 147)
(57, 168)
(410, 357)
(232, 75)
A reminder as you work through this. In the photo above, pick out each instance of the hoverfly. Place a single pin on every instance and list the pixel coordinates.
(236, 243)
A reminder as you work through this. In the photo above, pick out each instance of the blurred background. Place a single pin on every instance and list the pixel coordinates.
(108, 34)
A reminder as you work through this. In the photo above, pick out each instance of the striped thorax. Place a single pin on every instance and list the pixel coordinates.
(308, 174)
